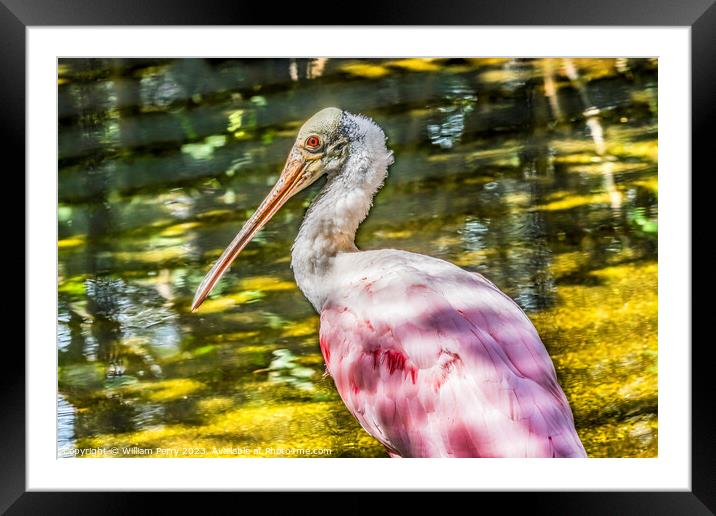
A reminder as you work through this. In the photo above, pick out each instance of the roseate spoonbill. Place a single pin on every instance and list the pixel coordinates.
(432, 360)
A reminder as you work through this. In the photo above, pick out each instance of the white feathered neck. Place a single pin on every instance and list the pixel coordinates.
(330, 224)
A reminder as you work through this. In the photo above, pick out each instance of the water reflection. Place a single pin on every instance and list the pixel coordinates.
(458, 101)
(539, 173)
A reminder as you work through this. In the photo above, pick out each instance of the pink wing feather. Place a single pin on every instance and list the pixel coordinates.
(434, 361)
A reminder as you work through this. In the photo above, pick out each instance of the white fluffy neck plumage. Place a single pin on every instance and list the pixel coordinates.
(330, 224)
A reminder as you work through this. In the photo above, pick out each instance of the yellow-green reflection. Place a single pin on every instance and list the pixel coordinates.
(540, 174)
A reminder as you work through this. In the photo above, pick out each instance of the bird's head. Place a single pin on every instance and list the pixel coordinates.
(322, 144)
(320, 148)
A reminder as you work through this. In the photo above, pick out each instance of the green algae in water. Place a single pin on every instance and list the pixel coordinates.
(497, 170)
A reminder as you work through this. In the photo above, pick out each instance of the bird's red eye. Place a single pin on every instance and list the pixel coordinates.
(313, 142)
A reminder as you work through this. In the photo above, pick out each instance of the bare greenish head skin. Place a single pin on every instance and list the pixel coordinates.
(326, 123)
(322, 142)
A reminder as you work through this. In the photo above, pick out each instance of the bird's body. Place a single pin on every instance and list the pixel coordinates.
(435, 361)
(432, 360)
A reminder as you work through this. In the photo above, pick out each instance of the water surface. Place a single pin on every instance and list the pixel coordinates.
(539, 173)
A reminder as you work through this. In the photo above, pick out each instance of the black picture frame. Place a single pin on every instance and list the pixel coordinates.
(17, 15)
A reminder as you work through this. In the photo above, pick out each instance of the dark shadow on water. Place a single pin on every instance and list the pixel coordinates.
(539, 173)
